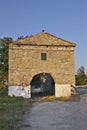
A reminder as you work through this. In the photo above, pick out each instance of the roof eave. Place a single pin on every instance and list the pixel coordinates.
(71, 45)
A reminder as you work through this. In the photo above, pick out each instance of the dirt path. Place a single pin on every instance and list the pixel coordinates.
(57, 115)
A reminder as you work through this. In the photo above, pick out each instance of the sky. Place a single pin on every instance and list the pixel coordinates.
(66, 19)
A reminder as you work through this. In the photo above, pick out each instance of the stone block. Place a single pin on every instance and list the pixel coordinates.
(19, 91)
(62, 90)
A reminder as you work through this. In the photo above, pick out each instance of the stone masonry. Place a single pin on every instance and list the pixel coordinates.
(25, 62)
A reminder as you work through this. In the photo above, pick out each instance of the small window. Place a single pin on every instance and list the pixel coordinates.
(43, 56)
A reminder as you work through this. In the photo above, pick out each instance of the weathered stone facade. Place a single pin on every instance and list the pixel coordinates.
(25, 60)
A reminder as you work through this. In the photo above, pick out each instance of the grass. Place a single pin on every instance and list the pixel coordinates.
(11, 110)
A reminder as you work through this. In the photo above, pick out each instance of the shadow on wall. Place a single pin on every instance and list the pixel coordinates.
(42, 84)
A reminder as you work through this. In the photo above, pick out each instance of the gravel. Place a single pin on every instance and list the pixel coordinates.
(57, 115)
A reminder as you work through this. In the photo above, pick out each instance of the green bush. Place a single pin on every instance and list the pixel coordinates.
(3, 90)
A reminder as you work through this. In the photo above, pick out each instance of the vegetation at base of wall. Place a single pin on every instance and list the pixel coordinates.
(12, 109)
(72, 98)
(3, 90)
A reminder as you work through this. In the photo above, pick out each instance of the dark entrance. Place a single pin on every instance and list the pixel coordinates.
(42, 84)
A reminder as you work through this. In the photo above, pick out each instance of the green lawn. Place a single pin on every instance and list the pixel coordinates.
(12, 110)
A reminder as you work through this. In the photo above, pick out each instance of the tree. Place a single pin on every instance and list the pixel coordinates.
(81, 77)
(21, 37)
(81, 71)
(4, 45)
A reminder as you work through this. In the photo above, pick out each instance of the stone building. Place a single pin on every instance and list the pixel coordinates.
(41, 53)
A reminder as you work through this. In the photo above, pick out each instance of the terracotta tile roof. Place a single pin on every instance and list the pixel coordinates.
(44, 38)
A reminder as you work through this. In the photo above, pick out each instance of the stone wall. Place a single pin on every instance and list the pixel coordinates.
(25, 61)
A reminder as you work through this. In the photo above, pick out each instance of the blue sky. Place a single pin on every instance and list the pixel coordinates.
(66, 19)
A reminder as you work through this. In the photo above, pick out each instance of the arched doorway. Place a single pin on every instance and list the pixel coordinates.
(42, 84)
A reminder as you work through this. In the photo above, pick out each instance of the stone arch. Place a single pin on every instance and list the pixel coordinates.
(42, 83)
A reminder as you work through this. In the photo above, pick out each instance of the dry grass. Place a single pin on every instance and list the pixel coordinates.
(73, 98)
